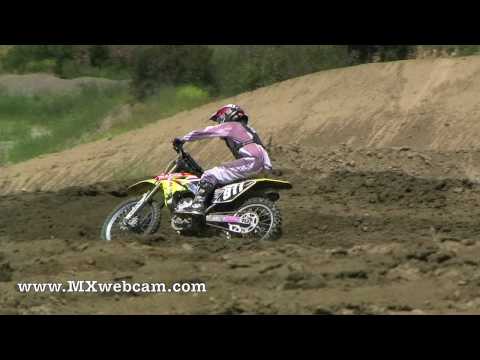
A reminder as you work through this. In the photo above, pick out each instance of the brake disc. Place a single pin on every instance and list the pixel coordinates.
(250, 222)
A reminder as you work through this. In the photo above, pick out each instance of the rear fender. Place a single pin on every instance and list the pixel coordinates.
(275, 185)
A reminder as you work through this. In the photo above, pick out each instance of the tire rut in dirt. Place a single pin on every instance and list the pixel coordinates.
(75, 213)
(343, 207)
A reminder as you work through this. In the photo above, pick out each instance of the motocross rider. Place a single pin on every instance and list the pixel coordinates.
(245, 145)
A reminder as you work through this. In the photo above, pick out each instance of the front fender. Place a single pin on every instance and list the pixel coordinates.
(143, 186)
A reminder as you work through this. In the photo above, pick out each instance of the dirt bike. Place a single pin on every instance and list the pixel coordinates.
(245, 209)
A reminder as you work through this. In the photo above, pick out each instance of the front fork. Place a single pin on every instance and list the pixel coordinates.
(172, 167)
(140, 205)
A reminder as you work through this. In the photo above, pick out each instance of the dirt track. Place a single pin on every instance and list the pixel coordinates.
(355, 242)
(383, 218)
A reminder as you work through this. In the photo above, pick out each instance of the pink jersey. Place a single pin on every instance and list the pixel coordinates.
(236, 133)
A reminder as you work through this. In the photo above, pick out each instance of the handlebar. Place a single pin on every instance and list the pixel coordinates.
(185, 158)
(179, 149)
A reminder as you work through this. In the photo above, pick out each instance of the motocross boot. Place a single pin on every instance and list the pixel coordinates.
(199, 203)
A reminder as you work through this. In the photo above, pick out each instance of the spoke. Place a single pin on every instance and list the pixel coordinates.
(264, 224)
(262, 212)
(144, 219)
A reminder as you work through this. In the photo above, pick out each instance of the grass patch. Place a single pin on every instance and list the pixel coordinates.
(71, 70)
(36, 125)
(167, 102)
(31, 126)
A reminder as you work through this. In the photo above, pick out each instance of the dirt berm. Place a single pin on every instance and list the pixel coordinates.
(383, 217)
(427, 105)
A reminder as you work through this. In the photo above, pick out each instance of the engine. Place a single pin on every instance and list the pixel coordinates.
(180, 223)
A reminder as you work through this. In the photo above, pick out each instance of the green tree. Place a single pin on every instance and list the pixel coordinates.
(99, 55)
(20, 57)
(161, 65)
(361, 54)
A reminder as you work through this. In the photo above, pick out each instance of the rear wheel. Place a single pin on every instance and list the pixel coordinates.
(265, 218)
(145, 222)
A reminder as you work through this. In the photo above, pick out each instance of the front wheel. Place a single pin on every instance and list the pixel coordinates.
(265, 219)
(145, 222)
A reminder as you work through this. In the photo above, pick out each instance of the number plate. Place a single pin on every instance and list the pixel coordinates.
(231, 192)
